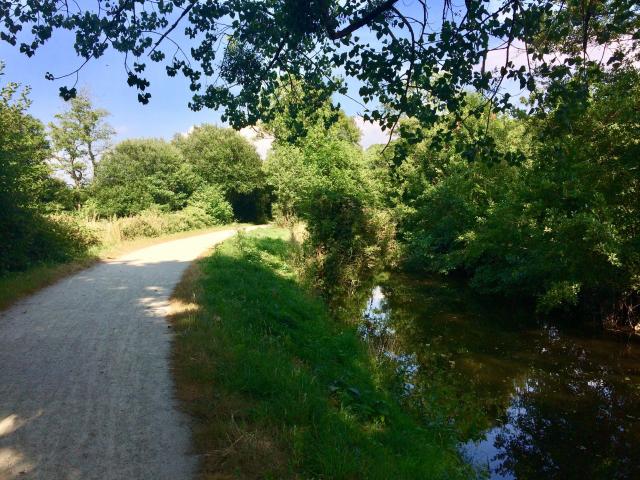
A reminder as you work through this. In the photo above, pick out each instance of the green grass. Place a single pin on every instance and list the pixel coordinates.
(278, 388)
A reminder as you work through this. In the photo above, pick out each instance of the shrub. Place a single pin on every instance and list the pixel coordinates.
(212, 201)
(153, 222)
(138, 174)
(289, 178)
(560, 226)
(43, 239)
(223, 158)
(193, 217)
(149, 223)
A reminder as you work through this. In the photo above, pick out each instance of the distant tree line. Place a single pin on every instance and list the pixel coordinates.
(54, 177)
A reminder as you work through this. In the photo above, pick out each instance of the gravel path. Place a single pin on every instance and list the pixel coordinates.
(85, 387)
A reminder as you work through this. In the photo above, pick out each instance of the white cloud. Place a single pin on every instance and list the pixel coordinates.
(371, 133)
(260, 139)
(188, 132)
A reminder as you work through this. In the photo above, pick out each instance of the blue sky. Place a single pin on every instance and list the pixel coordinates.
(105, 80)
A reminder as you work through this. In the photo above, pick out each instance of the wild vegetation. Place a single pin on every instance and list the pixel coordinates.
(66, 191)
(29, 235)
(535, 199)
(280, 389)
(319, 175)
(69, 197)
(549, 214)
(524, 199)
(558, 223)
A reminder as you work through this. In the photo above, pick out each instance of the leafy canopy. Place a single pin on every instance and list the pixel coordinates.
(27, 236)
(407, 57)
(137, 174)
(222, 157)
(79, 136)
(561, 225)
(23, 150)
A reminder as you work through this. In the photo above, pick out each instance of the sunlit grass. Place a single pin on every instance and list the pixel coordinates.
(279, 389)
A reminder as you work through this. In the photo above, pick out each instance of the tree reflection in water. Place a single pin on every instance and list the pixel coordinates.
(528, 400)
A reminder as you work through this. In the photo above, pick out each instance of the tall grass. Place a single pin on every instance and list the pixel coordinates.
(149, 223)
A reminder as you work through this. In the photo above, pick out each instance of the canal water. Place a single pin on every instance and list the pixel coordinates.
(529, 399)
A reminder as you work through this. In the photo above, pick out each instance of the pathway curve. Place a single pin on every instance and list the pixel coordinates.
(85, 387)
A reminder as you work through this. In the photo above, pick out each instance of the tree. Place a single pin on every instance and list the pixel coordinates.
(138, 174)
(289, 177)
(559, 225)
(323, 179)
(23, 151)
(296, 108)
(211, 200)
(417, 66)
(290, 169)
(79, 138)
(223, 158)
(27, 236)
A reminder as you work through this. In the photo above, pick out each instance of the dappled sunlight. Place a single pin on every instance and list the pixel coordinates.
(180, 308)
(13, 422)
(155, 306)
(13, 464)
(136, 262)
(92, 352)
(10, 424)
(156, 288)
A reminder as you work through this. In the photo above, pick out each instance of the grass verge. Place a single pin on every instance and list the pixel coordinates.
(279, 389)
(17, 285)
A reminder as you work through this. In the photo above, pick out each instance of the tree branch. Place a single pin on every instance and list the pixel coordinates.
(175, 24)
(362, 21)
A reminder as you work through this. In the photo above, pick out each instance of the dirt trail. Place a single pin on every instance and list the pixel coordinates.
(85, 387)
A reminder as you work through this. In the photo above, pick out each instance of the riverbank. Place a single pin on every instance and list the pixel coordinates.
(17, 285)
(279, 389)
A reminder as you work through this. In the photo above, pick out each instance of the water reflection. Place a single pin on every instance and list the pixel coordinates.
(528, 400)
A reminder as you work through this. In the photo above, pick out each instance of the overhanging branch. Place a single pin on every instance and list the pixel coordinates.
(362, 21)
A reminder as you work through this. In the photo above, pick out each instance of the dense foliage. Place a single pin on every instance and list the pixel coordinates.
(137, 174)
(57, 202)
(421, 62)
(223, 158)
(27, 235)
(559, 225)
(211, 200)
(538, 205)
(319, 175)
(154, 222)
(212, 168)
